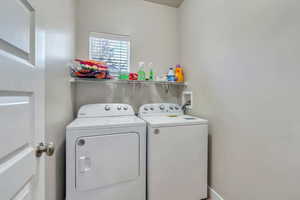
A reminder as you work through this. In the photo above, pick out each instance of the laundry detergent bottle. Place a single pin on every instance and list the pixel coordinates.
(179, 74)
(171, 75)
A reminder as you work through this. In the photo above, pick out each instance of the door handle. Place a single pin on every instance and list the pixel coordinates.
(47, 148)
(84, 164)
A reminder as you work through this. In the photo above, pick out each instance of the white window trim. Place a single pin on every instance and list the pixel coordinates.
(112, 36)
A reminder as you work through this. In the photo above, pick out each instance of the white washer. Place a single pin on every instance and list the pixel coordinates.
(176, 153)
(106, 154)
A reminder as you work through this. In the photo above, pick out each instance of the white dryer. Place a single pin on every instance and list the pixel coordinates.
(176, 153)
(106, 154)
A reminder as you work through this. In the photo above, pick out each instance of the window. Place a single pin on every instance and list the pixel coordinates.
(112, 49)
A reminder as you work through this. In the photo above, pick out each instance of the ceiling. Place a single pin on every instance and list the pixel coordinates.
(172, 3)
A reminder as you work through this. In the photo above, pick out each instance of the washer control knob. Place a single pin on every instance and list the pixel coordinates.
(161, 107)
(125, 108)
(176, 107)
(119, 107)
(146, 109)
(152, 108)
(171, 108)
(107, 108)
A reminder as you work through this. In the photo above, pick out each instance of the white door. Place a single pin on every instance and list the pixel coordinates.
(21, 101)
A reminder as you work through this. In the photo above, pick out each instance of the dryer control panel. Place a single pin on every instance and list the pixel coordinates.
(160, 109)
(105, 110)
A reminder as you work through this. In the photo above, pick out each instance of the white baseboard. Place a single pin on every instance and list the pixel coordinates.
(213, 195)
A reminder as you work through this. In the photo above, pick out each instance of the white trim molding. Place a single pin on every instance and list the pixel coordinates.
(213, 195)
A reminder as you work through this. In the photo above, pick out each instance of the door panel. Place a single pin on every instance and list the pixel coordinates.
(18, 162)
(18, 170)
(16, 116)
(103, 161)
(24, 194)
(15, 20)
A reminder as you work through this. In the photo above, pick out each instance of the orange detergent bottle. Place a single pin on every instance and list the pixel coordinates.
(179, 74)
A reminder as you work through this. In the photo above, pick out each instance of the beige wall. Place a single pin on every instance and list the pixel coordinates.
(154, 36)
(132, 94)
(242, 62)
(152, 27)
(59, 20)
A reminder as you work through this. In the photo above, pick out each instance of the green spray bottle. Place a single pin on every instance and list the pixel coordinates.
(151, 73)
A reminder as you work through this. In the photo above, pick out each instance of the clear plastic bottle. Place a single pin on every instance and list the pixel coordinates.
(141, 72)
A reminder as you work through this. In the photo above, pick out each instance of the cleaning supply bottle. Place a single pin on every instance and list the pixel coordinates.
(141, 72)
(171, 75)
(179, 74)
(151, 76)
(151, 73)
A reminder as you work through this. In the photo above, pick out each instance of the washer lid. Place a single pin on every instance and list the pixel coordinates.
(105, 122)
(174, 120)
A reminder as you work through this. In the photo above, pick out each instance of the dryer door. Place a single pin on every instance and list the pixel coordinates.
(106, 160)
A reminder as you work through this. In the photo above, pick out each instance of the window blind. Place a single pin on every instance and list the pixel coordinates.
(114, 50)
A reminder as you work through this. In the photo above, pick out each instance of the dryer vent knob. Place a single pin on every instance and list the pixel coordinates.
(107, 108)
(161, 107)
